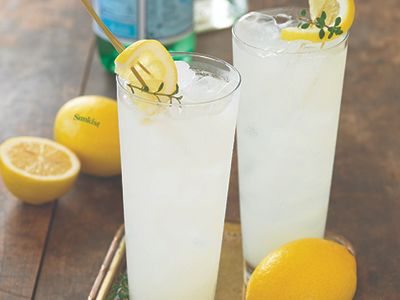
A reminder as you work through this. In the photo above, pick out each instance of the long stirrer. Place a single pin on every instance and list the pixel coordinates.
(114, 41)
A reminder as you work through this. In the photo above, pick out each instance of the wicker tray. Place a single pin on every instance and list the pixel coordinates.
(230, 277)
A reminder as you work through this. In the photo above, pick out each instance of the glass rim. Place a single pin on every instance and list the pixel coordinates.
(231, 68)
(236, 37)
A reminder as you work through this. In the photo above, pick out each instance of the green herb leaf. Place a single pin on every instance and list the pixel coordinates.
(321, 34)
(320, 23)
(305, 25)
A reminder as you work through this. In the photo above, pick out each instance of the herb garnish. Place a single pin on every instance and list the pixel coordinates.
(157, 94)
(145, 88)
(320, 22)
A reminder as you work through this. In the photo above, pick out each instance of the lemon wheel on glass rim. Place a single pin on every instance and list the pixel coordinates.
(333, 9)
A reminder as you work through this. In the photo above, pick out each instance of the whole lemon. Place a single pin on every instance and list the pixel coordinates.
(88, 125)
(305, 269)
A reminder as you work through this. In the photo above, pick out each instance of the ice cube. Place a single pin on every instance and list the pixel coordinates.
(205, 88)
(258, 30)
(185, 74)
(284, 21)
(262, 31)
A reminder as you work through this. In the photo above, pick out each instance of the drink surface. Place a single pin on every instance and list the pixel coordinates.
(287, 128)
(261, 33)
(171, 22)
(176, 164)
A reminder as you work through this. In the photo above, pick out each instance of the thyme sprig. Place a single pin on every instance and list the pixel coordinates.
(320, 22)
(158, 94)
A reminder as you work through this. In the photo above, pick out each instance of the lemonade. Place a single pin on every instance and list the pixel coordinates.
(176, 159)
(287, 130)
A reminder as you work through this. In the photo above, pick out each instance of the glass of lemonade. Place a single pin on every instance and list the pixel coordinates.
(287, 129)
(176, 160)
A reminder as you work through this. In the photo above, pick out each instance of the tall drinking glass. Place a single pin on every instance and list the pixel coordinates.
(287, 129)
(176, 160)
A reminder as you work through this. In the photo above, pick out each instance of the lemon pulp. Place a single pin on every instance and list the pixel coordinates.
(148, 63)
(37, 170)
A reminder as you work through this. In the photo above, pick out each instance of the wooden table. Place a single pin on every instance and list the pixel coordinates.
(47, 56)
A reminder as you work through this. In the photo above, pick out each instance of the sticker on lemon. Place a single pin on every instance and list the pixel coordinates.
(326, 20)
(37, 170)
(88, 125)
(309, 268)
(148, 70)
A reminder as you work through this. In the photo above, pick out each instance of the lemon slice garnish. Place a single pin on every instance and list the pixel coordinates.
(345, 9)
(37, 170)
(148, 63)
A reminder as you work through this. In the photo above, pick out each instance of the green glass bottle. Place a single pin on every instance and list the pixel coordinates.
(170, 22)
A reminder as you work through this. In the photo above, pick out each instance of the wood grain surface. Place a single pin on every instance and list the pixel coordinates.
(47, 56)
(43, 51)
(365, 197)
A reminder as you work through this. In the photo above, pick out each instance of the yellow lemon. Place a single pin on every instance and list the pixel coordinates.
(88, 125)
(37, 170)
(147, 65)
(305, 269)
(345, 9)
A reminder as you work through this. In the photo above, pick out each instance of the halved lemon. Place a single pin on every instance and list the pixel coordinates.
(37, 170)
(345, 9)
(148, 63)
